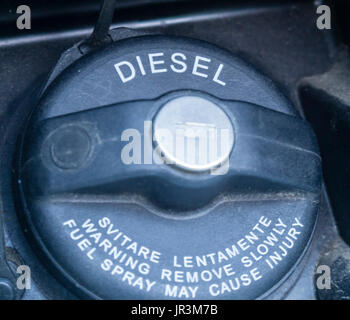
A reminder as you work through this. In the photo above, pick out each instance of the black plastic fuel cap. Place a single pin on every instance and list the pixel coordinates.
(165, 167)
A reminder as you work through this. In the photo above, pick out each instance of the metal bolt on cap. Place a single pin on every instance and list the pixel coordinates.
(193, 133)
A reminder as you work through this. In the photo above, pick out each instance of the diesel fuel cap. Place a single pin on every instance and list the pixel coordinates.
(164, 167)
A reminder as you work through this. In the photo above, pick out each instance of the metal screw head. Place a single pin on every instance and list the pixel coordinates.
(193, 133)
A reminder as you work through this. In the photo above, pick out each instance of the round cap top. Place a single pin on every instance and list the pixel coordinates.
(138, 229)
